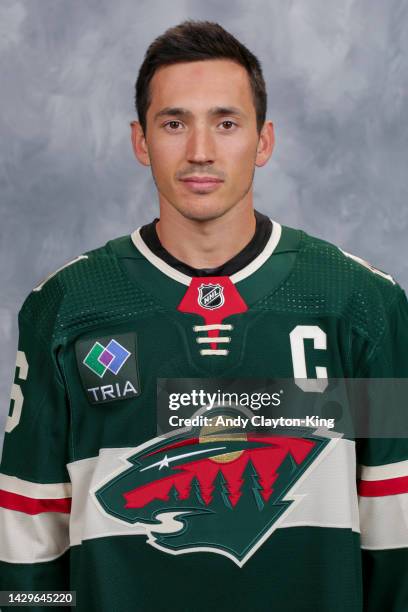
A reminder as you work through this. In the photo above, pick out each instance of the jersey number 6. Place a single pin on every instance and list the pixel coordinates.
(16, 394)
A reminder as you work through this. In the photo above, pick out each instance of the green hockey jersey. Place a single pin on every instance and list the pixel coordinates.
(93, 500)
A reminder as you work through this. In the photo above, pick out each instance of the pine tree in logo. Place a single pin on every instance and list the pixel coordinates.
(227, 493)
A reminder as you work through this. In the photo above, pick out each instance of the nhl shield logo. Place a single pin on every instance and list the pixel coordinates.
(211, 296)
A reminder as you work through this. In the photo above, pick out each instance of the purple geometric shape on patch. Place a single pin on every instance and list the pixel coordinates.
(120, 353)
(106, 357)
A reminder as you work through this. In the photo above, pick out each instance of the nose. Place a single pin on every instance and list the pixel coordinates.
(200, 145)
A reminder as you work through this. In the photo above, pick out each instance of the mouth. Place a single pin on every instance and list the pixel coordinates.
(204, 184)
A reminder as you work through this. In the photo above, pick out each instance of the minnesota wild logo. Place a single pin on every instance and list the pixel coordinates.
(210, 490)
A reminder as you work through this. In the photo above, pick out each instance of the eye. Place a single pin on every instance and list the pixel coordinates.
(173, 125)
(228, 124)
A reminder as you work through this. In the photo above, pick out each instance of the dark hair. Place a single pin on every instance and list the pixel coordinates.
(192, 41)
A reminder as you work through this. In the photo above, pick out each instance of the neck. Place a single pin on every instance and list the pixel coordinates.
(209, 243)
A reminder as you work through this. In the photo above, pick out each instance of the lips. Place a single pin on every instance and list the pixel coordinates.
(201, 183)
(202, 179)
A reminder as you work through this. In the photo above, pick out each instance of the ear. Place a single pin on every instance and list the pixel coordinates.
(139, 143)
(266, 144)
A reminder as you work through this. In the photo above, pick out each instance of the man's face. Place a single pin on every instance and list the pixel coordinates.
(201, 137)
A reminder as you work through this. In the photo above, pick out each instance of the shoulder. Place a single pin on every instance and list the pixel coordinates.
(84, 265)
(77, 286)
(328, 282)
(347, 274)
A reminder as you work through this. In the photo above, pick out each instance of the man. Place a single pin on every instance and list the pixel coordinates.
(92, 499)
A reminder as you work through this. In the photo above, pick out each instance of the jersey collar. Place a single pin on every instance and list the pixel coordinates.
(180, 277)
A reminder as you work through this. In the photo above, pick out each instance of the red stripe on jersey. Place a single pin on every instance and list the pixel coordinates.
(29, 505)
(380, 488)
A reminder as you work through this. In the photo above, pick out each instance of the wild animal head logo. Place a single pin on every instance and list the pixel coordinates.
(210, 490)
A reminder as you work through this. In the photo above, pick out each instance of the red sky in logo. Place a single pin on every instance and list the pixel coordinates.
(266, 460)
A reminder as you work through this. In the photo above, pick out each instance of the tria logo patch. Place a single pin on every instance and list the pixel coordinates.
(114, 360)
(112, 357)
(203, 491)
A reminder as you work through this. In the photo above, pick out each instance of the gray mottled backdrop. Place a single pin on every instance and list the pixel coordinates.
(336, 71)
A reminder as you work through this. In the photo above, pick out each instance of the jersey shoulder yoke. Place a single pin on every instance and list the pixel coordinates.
(88, 290)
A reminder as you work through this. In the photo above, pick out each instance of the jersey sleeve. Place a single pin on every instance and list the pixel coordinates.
(35, 490)
(383, 481)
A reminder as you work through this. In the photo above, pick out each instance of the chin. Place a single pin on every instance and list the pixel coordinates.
(202, 211)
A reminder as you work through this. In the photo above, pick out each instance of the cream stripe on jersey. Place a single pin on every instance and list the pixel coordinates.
(384, 472)
(35, 490)
(319, 499)
(185, 279)
(384, 522)
(27, 538)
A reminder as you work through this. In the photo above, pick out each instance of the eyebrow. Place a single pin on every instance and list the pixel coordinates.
(215, 111)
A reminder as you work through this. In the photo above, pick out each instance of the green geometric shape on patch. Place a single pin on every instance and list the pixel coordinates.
(91, 360)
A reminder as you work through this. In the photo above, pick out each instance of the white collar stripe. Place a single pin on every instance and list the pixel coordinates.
(175, 274)
(157, 262)
(262, 257)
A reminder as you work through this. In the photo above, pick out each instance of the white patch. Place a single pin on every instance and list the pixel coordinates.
(297, 337)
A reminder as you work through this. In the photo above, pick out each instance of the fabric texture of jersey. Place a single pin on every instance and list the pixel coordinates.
(92, 500)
